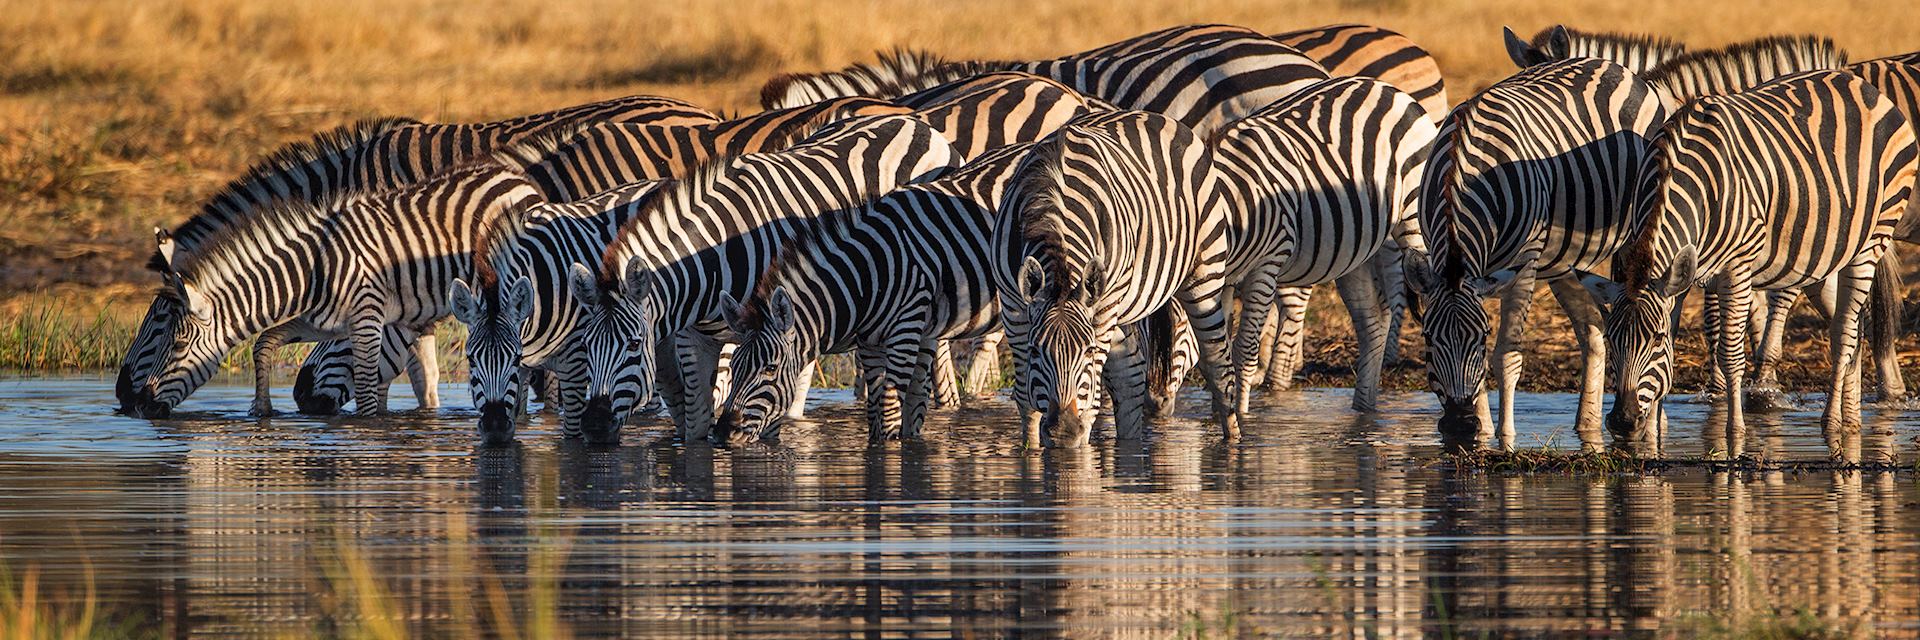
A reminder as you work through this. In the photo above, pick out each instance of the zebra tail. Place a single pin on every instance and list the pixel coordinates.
(1884, 311)
(1157, 342)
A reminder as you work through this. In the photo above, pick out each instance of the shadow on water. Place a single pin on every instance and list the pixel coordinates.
(1319, 523)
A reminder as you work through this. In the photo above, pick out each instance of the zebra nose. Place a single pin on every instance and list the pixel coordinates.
(496, 424)
(597, 421)
(1459, 424)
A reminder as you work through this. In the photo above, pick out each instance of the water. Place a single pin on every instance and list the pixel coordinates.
(1320, 523)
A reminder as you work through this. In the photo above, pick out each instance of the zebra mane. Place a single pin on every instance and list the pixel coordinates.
(1742, 65)
(681, 190)
(1612, 40)
(893, 74)
(1447, 226)
(284, 215)
(1040, 224)
(289, 160)
(535, 148)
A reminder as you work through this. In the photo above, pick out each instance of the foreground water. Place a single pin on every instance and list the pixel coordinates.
(1319, 523)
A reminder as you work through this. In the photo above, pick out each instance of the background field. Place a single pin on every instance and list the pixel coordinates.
(117, 116)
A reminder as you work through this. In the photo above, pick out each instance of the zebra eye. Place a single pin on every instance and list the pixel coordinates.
(770, 369)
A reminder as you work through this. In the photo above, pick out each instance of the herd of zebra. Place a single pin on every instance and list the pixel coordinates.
(1113, 217)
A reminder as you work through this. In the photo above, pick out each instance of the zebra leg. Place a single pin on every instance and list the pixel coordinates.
(1390, 282)
(1289, 341)
(919, 382)
(423, 370)
(369, 385)
(1125, 383)
(1269, 334)
(1766, 391)
(1884, 320)
(672, 385)
(983, 372)
(325, 382)
(946, 377)
(1841, 422)
(1730, 356)
(1715, 388)
(570, 394)
(699, 357)
(1507, 359)
(882, 392)
(1209, 319)
(801, 386)
(1587, 327)
(1370, 328)
(263, 350)
(1256, 293)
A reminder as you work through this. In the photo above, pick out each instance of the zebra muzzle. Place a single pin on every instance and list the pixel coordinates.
(1459, 423)
(496, 424)
(597, 422)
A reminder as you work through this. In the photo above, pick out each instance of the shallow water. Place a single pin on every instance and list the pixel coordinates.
(1319, 523)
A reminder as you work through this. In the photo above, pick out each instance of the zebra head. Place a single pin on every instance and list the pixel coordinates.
(617, 337)
(494, 318)
(150, 343)
(766, 366)
(1639, 330)
(1066, 347)
(203, 334)
(1456, 326)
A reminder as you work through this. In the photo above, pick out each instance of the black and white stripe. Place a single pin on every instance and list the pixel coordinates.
(344, 270)
(1638, 53)
(362, 156)
(1528, 181)
(887, 280)
(716, 231)
(1108, 220)
(1775, 188)
(1314, 186)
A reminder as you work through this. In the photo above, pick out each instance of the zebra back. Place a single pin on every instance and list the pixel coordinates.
(758, 200)
(1013, 108)
(1741, 65)
(1639, 53)
(1546, 160)
(1899, 83)
(608, 155)
(1366, 51)
(1764, 179)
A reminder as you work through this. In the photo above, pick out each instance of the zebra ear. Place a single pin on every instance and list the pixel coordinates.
(163, 241)
(1679, 275)
(1603, 289)
(1499, 280)
(1559, 44)
(518, 303)
(780, 310)
(1094, 284)
(731, 312)
(465, 308)
(1519, 50)
(1032, 279)
(583, 284)
(197, 303)
(636, 279)
(1420, 272)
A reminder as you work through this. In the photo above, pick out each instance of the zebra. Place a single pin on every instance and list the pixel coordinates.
(361, 155)
(298, 270)
(1359, 51)
(518, 312)
(885, 279)
(1313, 186)
(1638, 53)
(716, 230)
(1777, 187)
(1107, 221)
(1202, 75)
(1527, 181)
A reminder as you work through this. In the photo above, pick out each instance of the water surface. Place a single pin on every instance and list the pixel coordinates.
(1321, 522)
